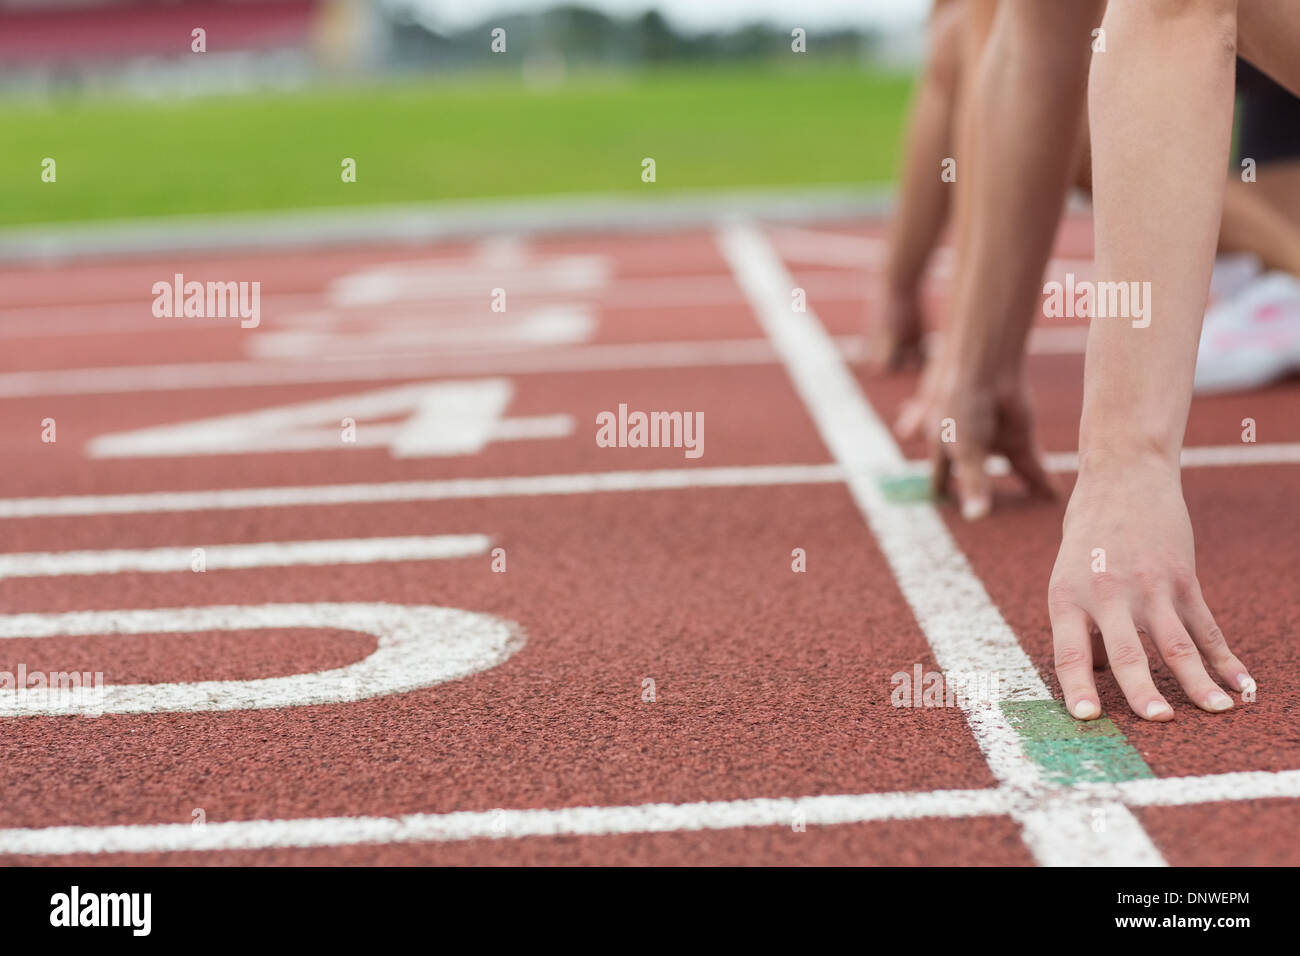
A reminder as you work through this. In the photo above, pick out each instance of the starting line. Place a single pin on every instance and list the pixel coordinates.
(645, 818)
(658, 479)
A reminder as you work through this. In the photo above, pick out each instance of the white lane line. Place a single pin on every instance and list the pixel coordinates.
(1204, 456)
(418, 646)
(662, 479)
(1215, 788)
(497, 824)
(844, 250)
(220, 557)
(959, 620)
(828, 810)
(522, 360)
(186, 376)
(433, 280)
(115, 312)
(836, 249)
(1058, 340)
(433, 490)
(1212, 456)
(1199, 456)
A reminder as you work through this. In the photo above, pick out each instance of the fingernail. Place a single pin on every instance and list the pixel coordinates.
(1158, 708)
(1084, 709)
(1245, 683)
(1218, 701)
(972, 509)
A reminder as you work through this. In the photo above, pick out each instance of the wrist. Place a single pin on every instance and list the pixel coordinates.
(1115, 473)
(976, 366)
(988, 356)
(1126, 451)
(1112, 437)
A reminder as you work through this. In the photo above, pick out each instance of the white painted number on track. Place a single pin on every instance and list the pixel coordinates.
(418, 646)
(442, 419)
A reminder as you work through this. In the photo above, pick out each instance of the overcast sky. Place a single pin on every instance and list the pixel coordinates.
(706, 14)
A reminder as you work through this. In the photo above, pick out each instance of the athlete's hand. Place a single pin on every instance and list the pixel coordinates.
(965, 424)
(894, 339)
(1126, 567)
(914, 412)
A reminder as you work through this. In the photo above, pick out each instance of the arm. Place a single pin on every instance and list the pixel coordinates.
(1161, 108)
(923, 200)
(1020, 129)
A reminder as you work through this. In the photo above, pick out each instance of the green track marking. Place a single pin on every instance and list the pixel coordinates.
(1070, 751)
(906, 489)
(1091, 760)
(1048, 720)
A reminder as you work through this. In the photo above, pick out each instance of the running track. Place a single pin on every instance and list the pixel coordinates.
(353, 679)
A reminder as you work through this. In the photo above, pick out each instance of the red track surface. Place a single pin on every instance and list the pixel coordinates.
(768, 683)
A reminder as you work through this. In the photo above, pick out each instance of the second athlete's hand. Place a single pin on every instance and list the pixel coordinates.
(965, 424)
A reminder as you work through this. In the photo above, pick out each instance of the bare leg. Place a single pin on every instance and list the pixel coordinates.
(1269, 37)
(1251, 223)
(1279, 185)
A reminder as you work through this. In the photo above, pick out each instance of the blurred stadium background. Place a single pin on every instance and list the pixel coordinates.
(141, 125)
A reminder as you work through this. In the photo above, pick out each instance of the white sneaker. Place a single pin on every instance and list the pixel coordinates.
(1233, 271)
(1251, 338)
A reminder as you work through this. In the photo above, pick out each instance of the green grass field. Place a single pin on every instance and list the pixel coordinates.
(451, 139)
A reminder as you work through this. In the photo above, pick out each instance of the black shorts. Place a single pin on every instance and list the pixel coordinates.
(1268, 118)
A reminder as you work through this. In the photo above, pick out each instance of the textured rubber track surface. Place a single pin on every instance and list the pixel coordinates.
(988, 841)
(767, 683)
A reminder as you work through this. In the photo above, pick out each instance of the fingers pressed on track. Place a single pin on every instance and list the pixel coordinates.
(1028, 464)
(940, 470)
(1180, 654)
(1128, 662)
(1209, 638)
(1073, 659)
(908, 424)
(974, 486)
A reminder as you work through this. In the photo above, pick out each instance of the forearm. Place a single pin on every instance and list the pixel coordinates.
(1026, 107)
(1161, 108)
(923, 199)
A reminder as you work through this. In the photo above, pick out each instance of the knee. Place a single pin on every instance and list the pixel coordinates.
(1177, 9)
(1215, 19)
